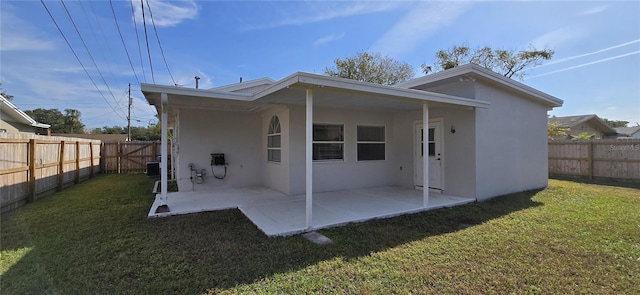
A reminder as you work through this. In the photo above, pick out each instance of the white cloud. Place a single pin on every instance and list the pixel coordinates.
(417, 25)
(168, 13)
(19, 35)
(325, 14)
(18, 42)
(585, 64)
(328, 39)
(559, 37)
(594, 10)
(590, 53)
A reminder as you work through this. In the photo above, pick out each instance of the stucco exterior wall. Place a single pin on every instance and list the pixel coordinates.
(236, 134)
(276, 175)
(511, 143)
(349, 173)
(458, 153)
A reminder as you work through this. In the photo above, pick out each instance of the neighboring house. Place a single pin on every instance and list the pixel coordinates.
(487, 136)
(628, 132)
(101, 137)
(590, 124)
(13, 120)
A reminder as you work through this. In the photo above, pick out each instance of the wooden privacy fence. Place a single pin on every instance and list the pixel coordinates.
(606, 158)
(34, 167)
(129, 156)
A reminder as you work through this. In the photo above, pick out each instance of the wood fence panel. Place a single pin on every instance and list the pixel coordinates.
(619, 159)
(130, 156)
(110, 157)
(33, 166)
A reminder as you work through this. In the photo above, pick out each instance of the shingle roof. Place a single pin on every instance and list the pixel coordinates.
(571, 121)
(628, 131)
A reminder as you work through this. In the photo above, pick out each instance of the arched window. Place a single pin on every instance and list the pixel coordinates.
(273, 140)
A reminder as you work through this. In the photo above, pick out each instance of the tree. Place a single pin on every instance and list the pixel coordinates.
(615, 123)
(68, 123)
(72, 121)
(9, 97)
(556, 131)
(510, 63)
(109, 130)
(371, 67)
(583, 135)
(151, 132)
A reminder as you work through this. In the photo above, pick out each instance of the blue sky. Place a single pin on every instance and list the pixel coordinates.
(596, 68)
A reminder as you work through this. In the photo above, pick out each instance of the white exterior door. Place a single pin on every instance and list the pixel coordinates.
(435, 154)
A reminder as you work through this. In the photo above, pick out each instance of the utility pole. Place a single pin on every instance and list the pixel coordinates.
(129, 116)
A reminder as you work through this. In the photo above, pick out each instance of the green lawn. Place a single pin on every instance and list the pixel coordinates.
(94, 238)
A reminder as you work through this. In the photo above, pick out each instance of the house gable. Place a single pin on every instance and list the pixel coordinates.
(590, 124)
(470, 73)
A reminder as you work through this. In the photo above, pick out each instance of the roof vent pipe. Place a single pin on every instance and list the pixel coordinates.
(197, 80)
(240, 79)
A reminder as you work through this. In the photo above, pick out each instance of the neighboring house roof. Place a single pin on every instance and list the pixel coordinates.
(628, 131)
(102, 137)
(328, 91)
(19, 116)
(473, 71)
(595, 121)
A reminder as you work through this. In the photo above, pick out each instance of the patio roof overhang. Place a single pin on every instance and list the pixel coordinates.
(328, 92)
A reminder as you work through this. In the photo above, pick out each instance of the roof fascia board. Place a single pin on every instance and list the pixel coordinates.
(144, 87)
(244, 85)
(389, 90)
(16, 113)
(347, 84)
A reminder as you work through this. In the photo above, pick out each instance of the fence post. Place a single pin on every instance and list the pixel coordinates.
(103, 165)
(118, 154)
(32, 171)
(91, 161)
(77, 180)
(61, 166)
(591, 159)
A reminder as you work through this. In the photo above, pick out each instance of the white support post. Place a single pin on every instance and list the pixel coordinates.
(425, 157)
(163, 148)
(309, 158)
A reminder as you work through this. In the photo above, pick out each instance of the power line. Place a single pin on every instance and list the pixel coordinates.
(76, 55)
(93, 33)
(159, 45)
(135, 26)
(146, 37)
(87, 48)
(115, 19)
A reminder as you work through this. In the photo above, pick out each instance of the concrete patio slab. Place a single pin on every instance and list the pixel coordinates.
(277, 214)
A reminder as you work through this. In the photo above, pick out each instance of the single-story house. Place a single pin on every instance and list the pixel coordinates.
(589, 124)
(13, 120)
(343, 150)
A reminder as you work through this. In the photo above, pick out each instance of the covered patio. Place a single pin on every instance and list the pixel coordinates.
(277, 214)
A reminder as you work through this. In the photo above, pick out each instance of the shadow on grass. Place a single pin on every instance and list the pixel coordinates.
(105, 243)
(601, 181)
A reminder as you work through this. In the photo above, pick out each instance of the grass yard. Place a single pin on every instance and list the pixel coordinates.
(95, 238)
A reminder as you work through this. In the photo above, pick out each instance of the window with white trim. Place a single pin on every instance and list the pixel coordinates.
(371, 143)
(328, 142)
(274, 136)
